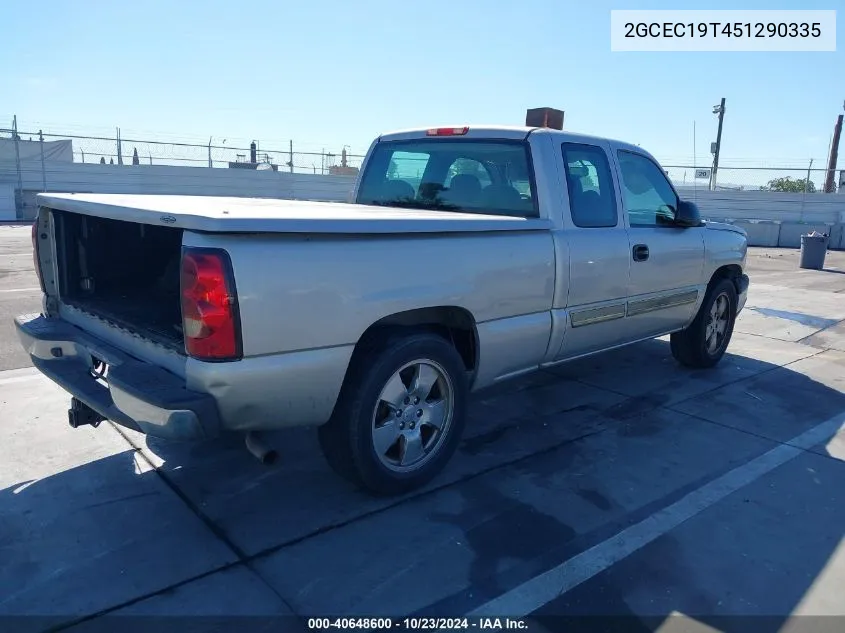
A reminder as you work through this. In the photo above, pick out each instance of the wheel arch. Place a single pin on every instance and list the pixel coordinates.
(733, 272)
(454, 323)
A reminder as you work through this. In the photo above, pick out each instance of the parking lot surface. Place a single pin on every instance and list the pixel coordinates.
(618, 485)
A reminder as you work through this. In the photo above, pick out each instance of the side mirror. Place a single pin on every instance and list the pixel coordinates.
(687, 214)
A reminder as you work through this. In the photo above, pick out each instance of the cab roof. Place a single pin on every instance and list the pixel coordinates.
(508, 132)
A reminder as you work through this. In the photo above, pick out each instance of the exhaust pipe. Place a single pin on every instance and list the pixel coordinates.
(263, 453)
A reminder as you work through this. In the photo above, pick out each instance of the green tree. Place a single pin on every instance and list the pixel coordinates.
(789, 185)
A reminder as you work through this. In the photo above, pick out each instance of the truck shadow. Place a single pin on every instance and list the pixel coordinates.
(538, 479)
(797, 317)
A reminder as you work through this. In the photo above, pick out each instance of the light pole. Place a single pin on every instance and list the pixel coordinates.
(210, 163)
(720, 110)
(832, 157)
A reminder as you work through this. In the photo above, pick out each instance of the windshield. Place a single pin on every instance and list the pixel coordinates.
(485, 176)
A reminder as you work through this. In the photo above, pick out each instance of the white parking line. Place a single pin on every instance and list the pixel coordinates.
(20, 289)
(533, 594)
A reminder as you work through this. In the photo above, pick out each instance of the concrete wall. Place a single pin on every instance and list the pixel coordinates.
(771, 219)
(788, 234)
(767, 205)
(7, 201)
(165, 179)
(774, 219)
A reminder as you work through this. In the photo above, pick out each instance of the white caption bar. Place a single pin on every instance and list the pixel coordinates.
(677, 31)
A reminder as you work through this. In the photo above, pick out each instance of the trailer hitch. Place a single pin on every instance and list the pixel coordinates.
(81, 414)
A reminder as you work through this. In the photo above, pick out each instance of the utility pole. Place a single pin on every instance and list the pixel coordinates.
(291, 156)
(804, 194)
(807, 180)
(720, 110)
(832, 158)
(43, 170)
(17, 155)
(19, 206)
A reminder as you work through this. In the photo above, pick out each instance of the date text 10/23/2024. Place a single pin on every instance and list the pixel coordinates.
(418, 624)
(722, 31)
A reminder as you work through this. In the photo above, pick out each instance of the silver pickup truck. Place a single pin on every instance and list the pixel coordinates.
(466, 257)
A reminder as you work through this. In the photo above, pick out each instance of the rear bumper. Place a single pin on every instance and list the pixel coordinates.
(742, 284)
(139, 396)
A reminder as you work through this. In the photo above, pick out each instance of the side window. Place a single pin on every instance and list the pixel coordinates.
(592, 199)
(648, 195)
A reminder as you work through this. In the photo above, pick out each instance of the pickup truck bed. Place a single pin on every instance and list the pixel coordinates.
(261, 215)
(118, 256)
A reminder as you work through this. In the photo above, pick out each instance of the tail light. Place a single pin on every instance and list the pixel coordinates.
(210, 316)
(447, 131)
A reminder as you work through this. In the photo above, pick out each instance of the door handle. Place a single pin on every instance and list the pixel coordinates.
(640, 252)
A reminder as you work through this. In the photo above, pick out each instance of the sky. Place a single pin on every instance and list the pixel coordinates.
(329, 73)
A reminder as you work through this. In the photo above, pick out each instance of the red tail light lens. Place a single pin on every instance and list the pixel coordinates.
(210, 318)
(447, 131)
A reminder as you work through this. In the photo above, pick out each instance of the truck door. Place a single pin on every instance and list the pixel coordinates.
(666, 260)
(597, 240)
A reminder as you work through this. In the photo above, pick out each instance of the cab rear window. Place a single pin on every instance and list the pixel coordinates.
(474, 176)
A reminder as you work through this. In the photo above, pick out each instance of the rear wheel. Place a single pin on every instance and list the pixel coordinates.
(400, 414)
(704, 342)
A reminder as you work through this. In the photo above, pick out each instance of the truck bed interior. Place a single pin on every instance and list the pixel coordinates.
(124, 272)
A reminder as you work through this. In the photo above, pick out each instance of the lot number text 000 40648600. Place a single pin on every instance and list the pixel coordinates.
(418, 624)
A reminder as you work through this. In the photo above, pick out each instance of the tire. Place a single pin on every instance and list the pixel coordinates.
(378, 437)
(699, 346)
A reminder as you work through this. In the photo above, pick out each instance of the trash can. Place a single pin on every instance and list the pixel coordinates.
(813, 250)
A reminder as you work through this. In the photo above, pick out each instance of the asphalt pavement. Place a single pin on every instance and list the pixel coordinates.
(19, 291)
(618, 486)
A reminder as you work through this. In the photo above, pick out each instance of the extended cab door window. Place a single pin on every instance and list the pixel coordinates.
(592, 200)
(649, 197)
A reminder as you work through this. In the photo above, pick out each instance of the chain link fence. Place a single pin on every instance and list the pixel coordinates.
(28, 156)
(129, 151)
(753, 178)
(32, 161)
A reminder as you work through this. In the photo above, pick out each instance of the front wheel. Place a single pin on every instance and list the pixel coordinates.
(400, 414)
(704, 342)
